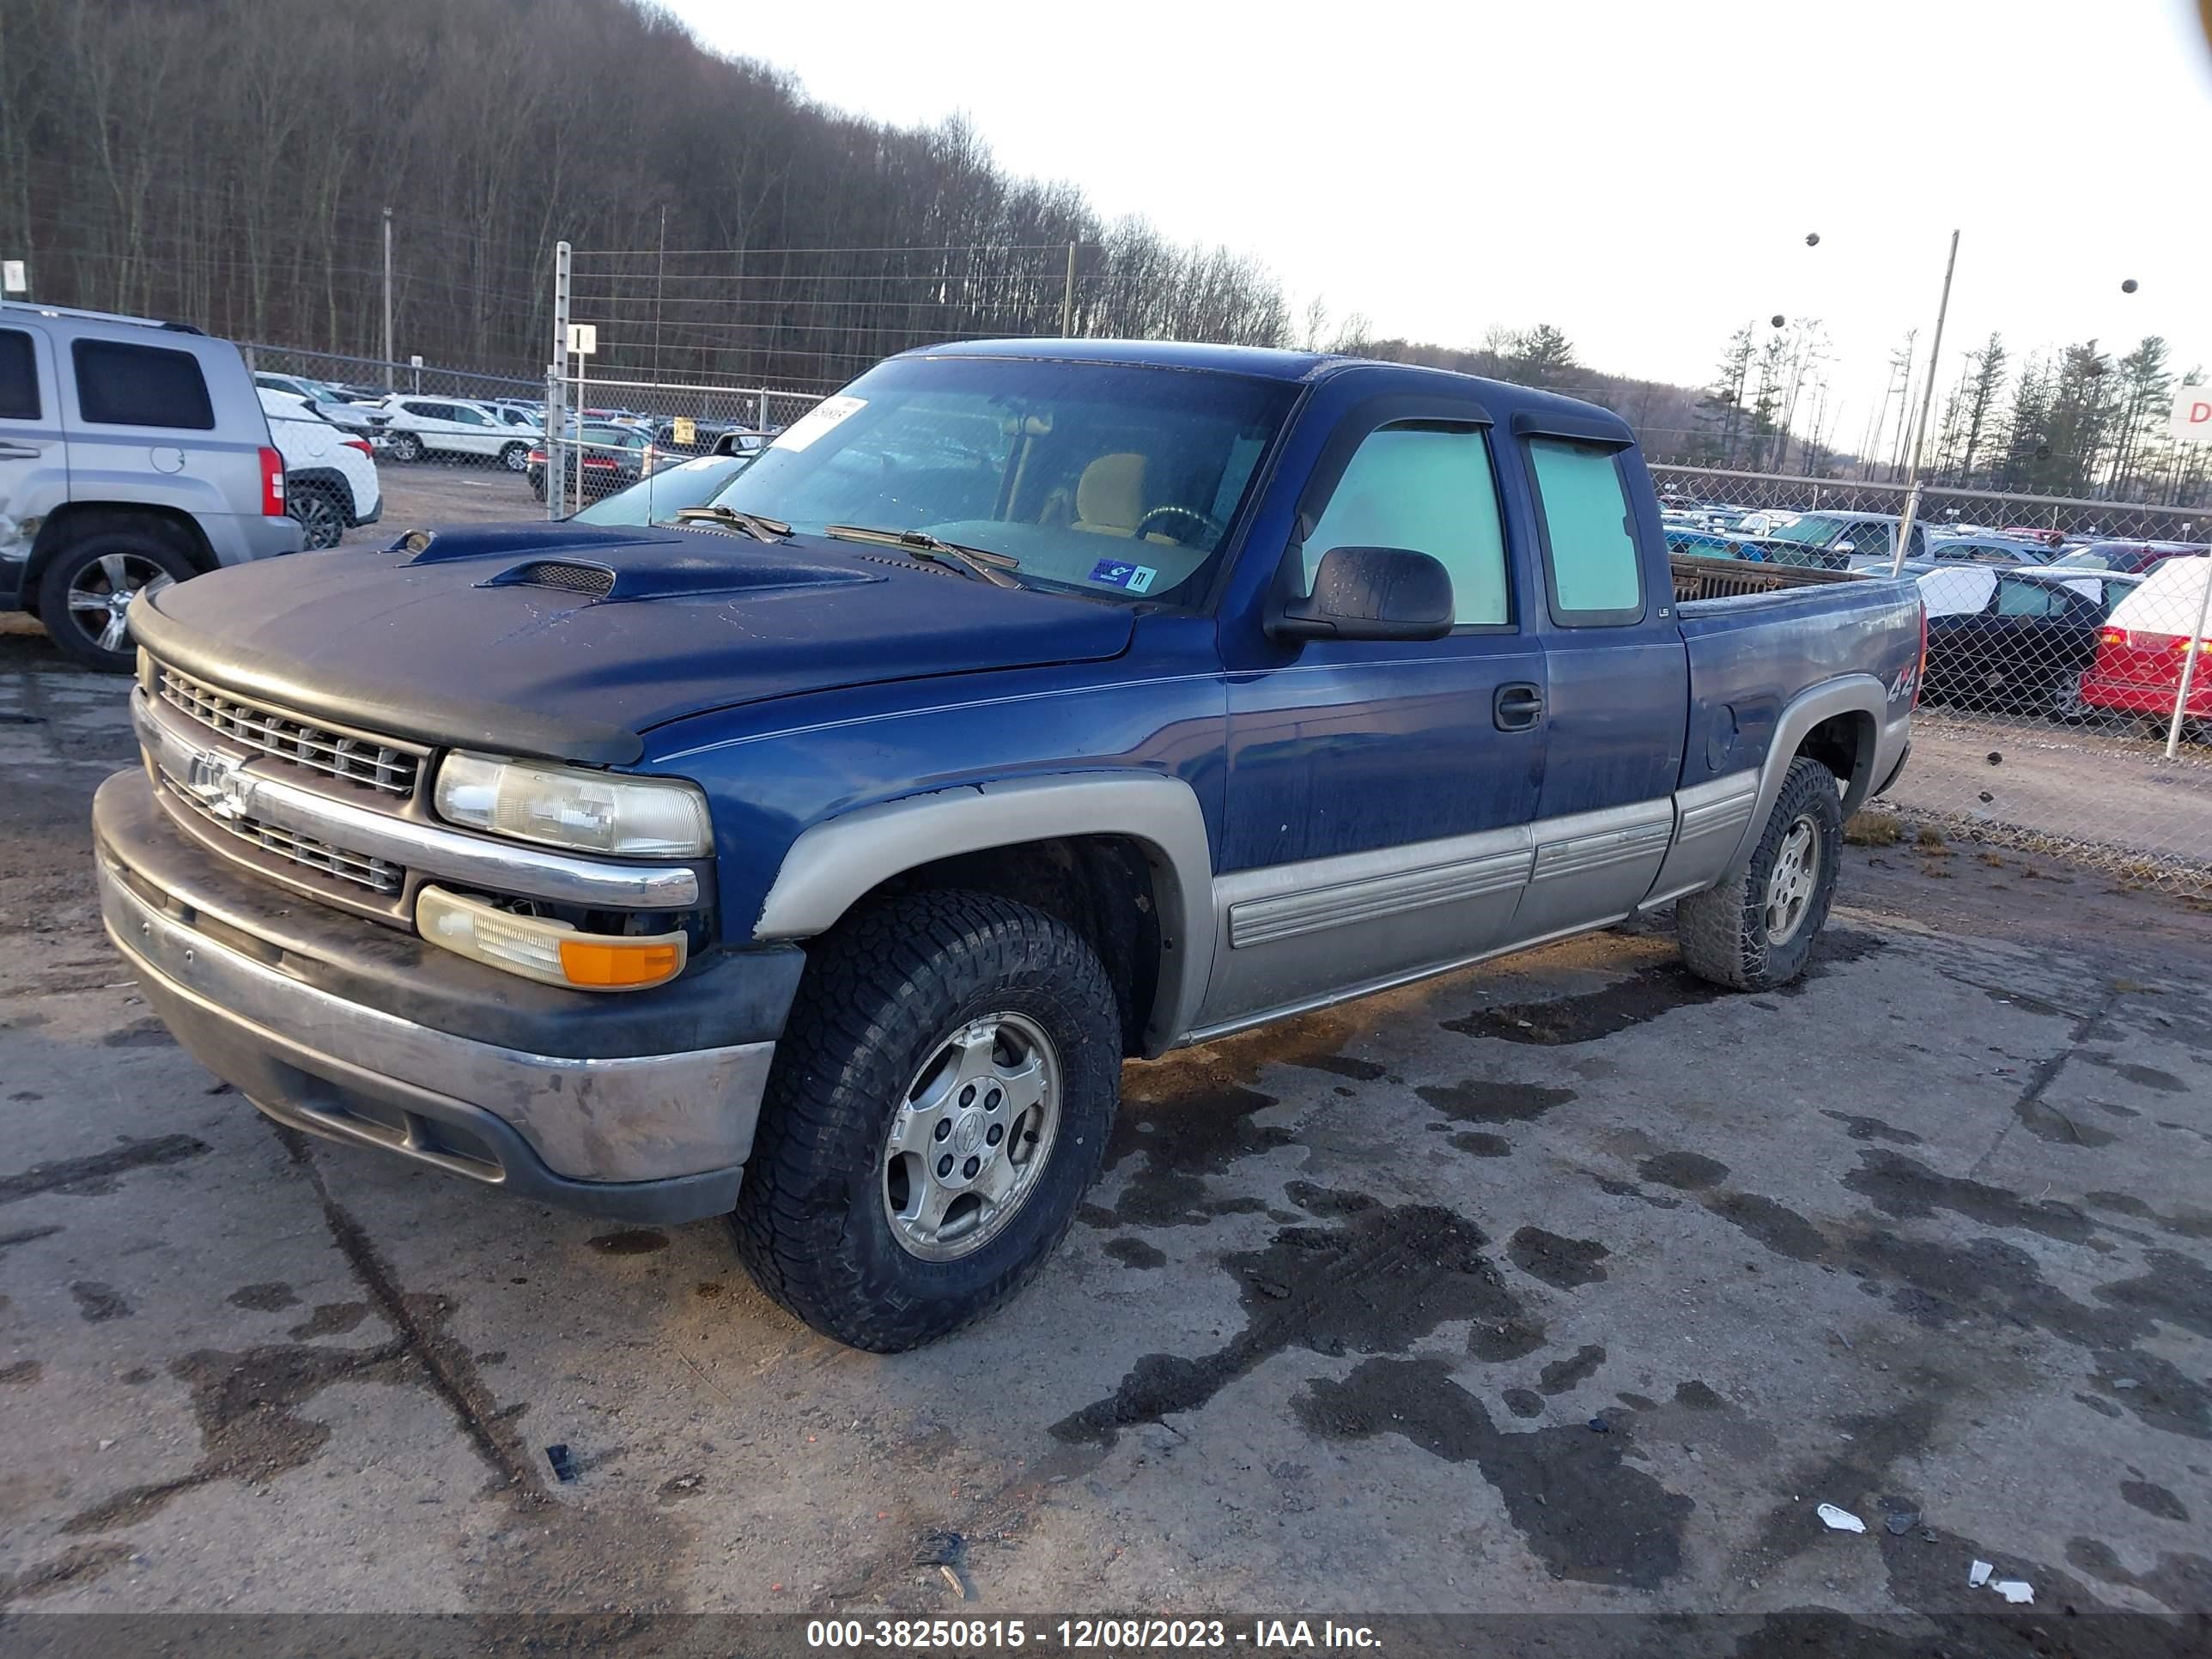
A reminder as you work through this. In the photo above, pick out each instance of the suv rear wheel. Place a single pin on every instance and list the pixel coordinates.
(322, 520)
(86, 595)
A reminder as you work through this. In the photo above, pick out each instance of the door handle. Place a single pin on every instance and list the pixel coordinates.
(20, 451)
(1517, 707)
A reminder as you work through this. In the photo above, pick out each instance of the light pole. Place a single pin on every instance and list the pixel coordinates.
(1920, 429)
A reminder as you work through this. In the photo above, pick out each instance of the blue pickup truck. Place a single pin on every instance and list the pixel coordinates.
(818, 858)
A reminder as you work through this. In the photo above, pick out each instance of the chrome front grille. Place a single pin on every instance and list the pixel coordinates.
(352, 756)
(378, 875)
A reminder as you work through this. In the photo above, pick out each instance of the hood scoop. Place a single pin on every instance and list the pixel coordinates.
(675, 577)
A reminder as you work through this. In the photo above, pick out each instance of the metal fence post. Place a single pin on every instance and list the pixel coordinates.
(556, 372)
(2195, 649)
(763, 423)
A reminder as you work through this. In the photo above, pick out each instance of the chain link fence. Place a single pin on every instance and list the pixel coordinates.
(2066, 707)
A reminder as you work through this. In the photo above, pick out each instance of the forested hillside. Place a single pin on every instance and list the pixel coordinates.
(229, 160)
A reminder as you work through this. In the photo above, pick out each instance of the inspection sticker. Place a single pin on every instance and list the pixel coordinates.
(1137, 578)
(817, 421)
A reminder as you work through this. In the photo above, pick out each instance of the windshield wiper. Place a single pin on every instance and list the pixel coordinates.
(978, 562)
(760, 529)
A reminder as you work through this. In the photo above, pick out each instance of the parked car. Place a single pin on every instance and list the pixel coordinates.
(1706, 545)
(355, 420)
(447, 426)
(601, 459)
(2146, 641)
(2134, 558)
(298, 386)
(1833, 541)
(2006, 550)
(133, 454)
(1943, 548)
(330, 475)
(826, 862)
(2037, 534)
(658, 497)
(2017, 640)
(507, 412)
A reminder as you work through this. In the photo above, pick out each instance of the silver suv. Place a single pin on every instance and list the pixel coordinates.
(132, 454)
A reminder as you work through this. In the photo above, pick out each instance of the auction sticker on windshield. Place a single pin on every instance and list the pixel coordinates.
(1137, 578)
(817, 421)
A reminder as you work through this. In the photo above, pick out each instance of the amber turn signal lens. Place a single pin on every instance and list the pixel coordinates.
(619, 965)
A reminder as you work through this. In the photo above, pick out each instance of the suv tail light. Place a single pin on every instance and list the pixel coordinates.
(272, 484)
(536, 457)
(362, 444)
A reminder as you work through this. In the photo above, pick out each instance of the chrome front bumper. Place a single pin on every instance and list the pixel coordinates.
(230, 968)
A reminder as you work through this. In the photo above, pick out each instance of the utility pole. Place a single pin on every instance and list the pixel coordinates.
(1920, 431)
(1068, 298)
(556, 390)
(387, 299)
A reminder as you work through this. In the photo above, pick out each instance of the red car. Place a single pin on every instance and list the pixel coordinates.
(2144, 644)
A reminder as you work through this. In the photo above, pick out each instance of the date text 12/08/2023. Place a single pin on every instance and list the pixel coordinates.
(1107, 1635)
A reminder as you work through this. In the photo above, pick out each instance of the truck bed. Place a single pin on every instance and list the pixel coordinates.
(1697, 579)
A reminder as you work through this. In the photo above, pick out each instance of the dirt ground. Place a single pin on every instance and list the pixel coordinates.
(1567, 1284)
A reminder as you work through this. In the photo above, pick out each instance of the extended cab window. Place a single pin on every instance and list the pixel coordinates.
(121, 384)
(1425, 486)
(19, 377)
(1591, 567)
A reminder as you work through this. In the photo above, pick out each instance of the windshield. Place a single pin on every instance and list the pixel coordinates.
(1116, 481)
(658, 496)
(1814, 529)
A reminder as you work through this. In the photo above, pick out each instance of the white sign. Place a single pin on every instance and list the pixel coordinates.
(583, 340)
(15, 278)
(817, 421)
(2193, 414)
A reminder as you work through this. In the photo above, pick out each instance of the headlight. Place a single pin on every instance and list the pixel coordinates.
(565, 806)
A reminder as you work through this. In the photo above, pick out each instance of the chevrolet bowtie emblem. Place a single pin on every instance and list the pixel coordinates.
(219, 783)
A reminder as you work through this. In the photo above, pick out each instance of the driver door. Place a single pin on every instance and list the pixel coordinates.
(1380, 793)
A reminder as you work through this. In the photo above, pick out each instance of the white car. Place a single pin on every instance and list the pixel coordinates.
(509, 412)
(452, 426)
(330, 476)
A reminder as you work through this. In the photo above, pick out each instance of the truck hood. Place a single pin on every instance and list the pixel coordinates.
(570, 640)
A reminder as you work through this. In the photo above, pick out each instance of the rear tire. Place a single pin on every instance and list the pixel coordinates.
(1755, 930)
(900, 1007)
(321, 516)
(78, 595)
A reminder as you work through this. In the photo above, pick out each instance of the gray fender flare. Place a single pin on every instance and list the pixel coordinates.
(833, 864)
(1850, 693)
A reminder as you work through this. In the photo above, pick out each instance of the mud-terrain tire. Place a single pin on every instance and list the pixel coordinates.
(1755, 930)
(901, 1008)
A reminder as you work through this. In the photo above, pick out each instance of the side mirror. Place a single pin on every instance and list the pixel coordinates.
(1369, 593)
(1847, 547)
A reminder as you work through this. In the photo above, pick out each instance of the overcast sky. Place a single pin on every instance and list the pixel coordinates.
(1642, 175)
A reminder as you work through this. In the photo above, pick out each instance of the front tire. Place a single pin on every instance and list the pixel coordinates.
(406, 447)
(87, 592)
(516, 457)
(941, 1101)
(1755, 930)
